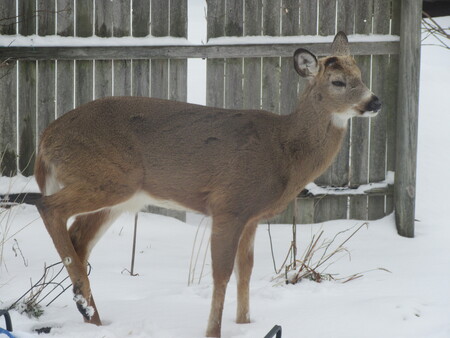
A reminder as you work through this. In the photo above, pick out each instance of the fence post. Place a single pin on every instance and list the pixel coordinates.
(408, 97)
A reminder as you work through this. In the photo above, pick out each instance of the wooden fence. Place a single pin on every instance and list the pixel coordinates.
(40, 83)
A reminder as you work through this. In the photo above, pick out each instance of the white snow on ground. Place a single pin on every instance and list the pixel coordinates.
(411, 301)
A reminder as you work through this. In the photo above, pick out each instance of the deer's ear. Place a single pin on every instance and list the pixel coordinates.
(340, 45)
(305, 63)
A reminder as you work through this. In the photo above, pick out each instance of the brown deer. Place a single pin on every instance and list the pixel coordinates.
(238, 166)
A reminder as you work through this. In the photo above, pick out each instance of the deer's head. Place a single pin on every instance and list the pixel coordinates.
(335, 83)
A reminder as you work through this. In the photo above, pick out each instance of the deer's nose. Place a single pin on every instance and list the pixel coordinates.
(374, 104)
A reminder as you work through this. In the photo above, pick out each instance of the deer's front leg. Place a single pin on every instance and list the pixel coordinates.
(243, 271)
(225, 236)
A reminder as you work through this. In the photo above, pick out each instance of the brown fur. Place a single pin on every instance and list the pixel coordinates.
(238, 166)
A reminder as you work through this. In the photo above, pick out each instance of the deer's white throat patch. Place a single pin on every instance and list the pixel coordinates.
(340, 120)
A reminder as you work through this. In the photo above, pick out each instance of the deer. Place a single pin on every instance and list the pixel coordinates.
(120, 154)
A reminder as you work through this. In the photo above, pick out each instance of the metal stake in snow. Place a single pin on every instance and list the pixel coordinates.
(133, 254)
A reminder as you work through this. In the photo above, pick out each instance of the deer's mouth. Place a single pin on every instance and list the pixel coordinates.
(369, 113)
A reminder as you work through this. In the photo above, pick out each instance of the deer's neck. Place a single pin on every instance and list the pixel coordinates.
(313, 137)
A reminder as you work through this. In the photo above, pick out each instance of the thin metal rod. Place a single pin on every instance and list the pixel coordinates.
(133, 254)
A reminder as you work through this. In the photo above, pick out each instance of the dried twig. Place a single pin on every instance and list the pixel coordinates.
(46, 286)
(431, 27)
(313, 268)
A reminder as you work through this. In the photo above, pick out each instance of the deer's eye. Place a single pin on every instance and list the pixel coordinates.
(338, 83)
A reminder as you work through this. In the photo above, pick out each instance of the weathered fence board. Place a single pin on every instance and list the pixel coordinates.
(84, 70)
(121, 22)
(8, 118)
(378, 124)
(160, 67)
(8, 16)
(103, 68)
(209, 51)
(65, 26)
(289, 78)
(27, 116)
(359, 137)
(408, 94)
(215, 68)
(27, 17)
(46, 96)
(308, 17)
(141, 28)
(252, 66)
(234, 26)
(391, 101)
(271, 72)
(178, 68)
(8, 97)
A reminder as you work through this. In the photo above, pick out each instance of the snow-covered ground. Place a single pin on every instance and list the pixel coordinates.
(411, 301)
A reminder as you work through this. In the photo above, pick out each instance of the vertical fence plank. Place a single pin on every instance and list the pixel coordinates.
(8, 118)
(289, 77)
(27, 17)
(160, 67)
(391, 101)
(308, 17)
(8, 16)
(271, 66)
(233, 66)
(121, 18)
(141, 28)
(46, 69)
(360, 126)
(378, 125)
(103, 78)
(27, 116)
(84, 69)
(27, 85)
(215, 68)
(65, 68)
(121, 27)
(346, 16)
(252, 66)
(408, 108)
(8, 97)
(46, 17)
(122, 77)
(103, 68)
(327, 17)
(103, 18)
(178, 68)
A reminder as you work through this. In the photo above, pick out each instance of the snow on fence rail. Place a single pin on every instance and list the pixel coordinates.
(141, 48)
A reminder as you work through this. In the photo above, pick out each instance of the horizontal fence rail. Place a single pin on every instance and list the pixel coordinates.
(188, 51)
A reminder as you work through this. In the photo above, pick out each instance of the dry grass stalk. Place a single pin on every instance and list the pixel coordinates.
(431, 27)
(47, 286)
(319, 255)
(196, 252)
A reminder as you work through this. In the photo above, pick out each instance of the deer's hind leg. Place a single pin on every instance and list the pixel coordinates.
(87, 229)
(84, 233)
(55, 211)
